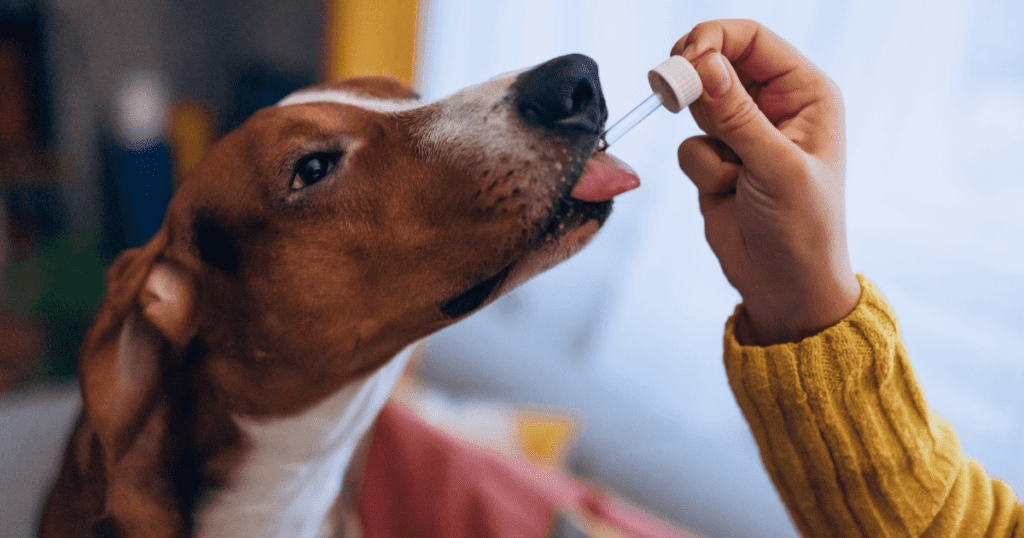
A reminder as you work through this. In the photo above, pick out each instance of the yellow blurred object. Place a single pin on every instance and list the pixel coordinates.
(371, 37)
(191, 134)
(546, 437)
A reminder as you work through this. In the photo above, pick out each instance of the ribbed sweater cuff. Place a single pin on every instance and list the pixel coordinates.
(843, 427)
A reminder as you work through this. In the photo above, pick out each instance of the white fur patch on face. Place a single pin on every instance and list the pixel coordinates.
(296, 465)
(478, 120)
(345, 98)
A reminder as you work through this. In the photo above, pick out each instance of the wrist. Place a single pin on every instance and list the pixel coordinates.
(763, 322)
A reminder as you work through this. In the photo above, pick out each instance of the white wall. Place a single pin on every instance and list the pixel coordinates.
(629, 332)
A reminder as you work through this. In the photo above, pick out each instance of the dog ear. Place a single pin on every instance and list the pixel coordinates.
(129, 369)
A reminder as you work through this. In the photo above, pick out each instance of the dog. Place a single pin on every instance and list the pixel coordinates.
(233, 373)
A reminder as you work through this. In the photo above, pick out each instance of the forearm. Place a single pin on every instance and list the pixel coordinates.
(848, 439)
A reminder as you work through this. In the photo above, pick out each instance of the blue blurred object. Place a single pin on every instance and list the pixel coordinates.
(258, 85)
(142, 167)
(145, 184)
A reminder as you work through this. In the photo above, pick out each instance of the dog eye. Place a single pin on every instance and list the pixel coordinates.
(312, 168)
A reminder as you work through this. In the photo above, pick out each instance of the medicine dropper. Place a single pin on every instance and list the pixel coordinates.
(675, 84)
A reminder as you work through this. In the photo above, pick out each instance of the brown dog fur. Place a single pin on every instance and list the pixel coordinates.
(255, 299)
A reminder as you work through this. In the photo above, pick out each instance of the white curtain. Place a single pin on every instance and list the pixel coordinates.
(629, 332)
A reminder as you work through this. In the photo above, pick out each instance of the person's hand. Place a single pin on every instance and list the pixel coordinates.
(770, 176)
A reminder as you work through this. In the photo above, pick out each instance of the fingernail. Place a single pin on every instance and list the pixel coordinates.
(716, 78)
(688, 51)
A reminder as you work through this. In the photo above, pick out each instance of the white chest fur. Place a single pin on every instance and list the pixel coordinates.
(293, 473)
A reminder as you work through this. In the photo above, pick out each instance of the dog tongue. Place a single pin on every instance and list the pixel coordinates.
(604, 178)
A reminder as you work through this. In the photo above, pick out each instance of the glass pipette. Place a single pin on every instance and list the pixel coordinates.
(675, 84)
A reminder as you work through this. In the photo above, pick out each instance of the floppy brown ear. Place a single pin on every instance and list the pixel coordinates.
(128, 367)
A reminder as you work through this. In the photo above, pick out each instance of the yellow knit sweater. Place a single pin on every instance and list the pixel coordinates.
(851, 444)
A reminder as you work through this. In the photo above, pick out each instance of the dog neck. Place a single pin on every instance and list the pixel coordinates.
(292, 474)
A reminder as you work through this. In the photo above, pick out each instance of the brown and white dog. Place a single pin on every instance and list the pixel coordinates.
(240, 358)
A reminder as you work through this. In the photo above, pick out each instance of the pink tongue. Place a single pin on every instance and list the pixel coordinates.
(604, 178)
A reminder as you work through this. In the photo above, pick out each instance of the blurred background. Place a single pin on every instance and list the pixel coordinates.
(104, 102)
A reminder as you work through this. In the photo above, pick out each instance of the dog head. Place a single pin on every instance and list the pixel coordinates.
(330, 231)
(317, 240)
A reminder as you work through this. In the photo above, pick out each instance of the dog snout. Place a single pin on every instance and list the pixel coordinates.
(562, 93)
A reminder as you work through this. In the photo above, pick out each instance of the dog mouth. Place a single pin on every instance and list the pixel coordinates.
(587, 198)
(590, 194)
(472, 298)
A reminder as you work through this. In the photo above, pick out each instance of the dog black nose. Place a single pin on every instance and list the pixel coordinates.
(565, 91)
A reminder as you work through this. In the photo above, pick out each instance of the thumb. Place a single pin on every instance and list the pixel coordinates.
(732, 116)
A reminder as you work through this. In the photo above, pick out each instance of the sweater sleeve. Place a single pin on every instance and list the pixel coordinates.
(849, 441)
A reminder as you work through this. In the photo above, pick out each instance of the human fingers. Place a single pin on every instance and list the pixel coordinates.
(710, 165)
(752, 48)
(790, 91)
(729, 113)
